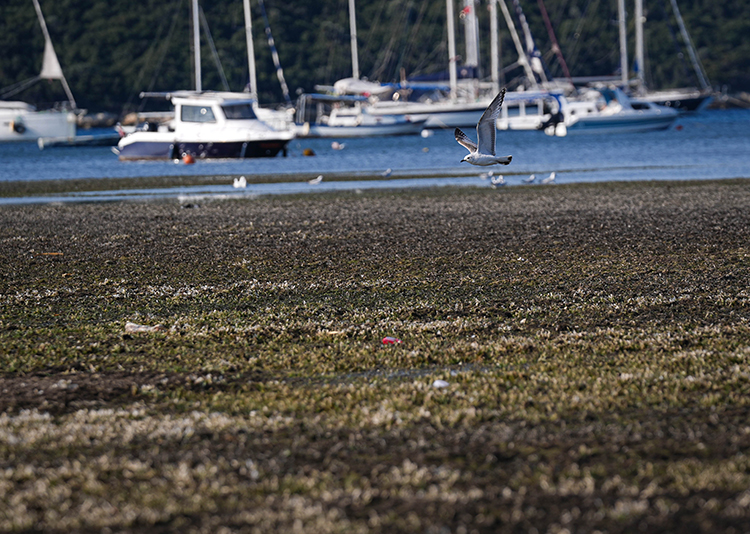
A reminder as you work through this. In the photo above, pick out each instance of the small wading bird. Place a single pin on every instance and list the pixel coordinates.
(483, 153)
(497, 180)
(549, 179)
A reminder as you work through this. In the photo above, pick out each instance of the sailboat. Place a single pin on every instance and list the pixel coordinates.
(344, 115)
(682, 99)
(20, 121)
(206, 124)
(455, 111)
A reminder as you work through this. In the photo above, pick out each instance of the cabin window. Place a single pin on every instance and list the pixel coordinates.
(197, 114)
(239, 111)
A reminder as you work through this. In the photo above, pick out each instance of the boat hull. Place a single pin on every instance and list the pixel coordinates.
(316, 130)
(437, 115)
(680, 102)
(159, 150)
(620, 124)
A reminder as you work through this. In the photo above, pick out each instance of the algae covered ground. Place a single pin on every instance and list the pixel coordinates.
(595, 342)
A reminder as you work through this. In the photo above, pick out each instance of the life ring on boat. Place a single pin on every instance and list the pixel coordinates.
(17, 126)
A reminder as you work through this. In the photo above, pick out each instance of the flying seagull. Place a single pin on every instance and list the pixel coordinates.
(484, 154)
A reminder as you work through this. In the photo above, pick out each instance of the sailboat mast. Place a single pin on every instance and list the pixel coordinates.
(522, 58)
(250, 49)
(197, 47)
(639, 55)
(494, 48)
(353, 38)
(623, 41)
(471, 35)
(452, 68)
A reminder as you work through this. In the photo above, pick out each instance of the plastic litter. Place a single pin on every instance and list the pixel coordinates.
(388, 340)
(440, 384)
(133, 327)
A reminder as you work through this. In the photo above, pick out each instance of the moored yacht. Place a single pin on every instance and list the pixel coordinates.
(611, 111)
(206, 126)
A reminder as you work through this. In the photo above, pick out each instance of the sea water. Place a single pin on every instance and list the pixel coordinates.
(713, 144)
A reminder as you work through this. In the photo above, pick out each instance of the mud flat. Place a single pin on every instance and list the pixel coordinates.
(592, 340)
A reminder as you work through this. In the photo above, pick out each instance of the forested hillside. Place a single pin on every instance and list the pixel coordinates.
(111, 51)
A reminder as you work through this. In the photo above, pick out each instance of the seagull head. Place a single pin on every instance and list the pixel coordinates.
(467, 159)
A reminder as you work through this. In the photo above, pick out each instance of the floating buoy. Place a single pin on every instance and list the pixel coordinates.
(308, 152)
(678, 127)
(188, 159)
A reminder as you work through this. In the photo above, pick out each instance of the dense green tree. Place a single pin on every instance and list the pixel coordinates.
(110, 52)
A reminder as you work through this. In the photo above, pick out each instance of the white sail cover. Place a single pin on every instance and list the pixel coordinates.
(354, 86)
(51, 69)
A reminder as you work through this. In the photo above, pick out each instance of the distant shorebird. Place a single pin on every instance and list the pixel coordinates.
(386, 173)
(337, 146)
(497, 180)
(486, 175)
(484, 153)
(530, 179)
(549, 179)
(240, 183)
(315, 181)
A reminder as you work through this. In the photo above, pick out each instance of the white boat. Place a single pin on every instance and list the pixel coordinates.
(435, 114)
(612, 112)
(20, 121)
(345, 116)
(206, 125)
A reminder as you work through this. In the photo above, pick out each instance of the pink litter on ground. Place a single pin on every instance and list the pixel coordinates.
(388, 340)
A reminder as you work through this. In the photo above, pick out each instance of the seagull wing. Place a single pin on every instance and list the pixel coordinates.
(464, 141)
(487, 125)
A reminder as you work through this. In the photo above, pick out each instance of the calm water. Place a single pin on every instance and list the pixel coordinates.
(711, 144)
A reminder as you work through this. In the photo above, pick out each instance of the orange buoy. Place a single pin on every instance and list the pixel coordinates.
(308, 152)
(188, 159)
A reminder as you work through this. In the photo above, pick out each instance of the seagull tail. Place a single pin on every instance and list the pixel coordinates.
(506, 160)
